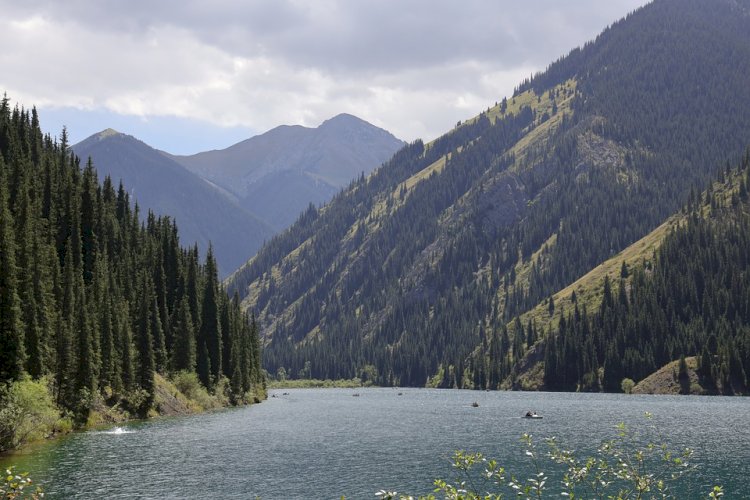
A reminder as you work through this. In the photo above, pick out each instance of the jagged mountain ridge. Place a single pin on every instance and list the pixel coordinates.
(155, 182)
(275, 175)
(287, 168)
(404, 275)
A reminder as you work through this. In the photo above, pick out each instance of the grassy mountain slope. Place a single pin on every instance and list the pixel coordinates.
(589, 287)
(275, 175)
(689, 298)
(409, 273)
(204, 213)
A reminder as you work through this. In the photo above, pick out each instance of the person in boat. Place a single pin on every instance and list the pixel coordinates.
(529, 414)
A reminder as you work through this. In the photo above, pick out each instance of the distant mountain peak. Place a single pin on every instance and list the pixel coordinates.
(110, 132)
(345, 120)
(203, 212)
(343, 117)
(280, 172)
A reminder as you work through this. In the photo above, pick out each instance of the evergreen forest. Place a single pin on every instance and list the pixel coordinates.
(97, 301)
(692, 298)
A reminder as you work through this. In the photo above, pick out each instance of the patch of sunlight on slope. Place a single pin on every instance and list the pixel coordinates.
(523, 270)
(436, 167)
(540, 104)
(255, 287)
(539, 135)
(536, 135)
(589, 288)
(388, 204)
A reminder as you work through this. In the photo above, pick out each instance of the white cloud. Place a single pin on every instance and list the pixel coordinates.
(413, 67)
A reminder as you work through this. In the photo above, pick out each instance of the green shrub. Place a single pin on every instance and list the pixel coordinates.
(189, 385)
(136, 402)
(222, 392)
(27, 413)
(627, 385)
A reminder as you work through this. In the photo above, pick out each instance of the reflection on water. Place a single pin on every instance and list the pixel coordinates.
(324, 443)
(116, 431)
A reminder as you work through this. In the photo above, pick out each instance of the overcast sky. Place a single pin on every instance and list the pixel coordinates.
(191, 75)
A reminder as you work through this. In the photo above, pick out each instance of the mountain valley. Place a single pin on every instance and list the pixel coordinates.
(413, 274)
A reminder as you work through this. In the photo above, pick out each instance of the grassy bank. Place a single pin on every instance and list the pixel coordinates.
(28, 412)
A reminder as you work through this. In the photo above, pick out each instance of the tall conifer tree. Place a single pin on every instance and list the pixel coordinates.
(12, 355)
(184, 344)
(146, 363)
(210, 329)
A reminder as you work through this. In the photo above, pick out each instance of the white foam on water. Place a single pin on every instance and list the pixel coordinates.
(117, 430)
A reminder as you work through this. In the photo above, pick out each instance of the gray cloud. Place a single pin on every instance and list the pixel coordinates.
(414, 67)
(376, 35)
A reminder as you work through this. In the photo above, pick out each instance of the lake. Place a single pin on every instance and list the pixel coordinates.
(324, 443)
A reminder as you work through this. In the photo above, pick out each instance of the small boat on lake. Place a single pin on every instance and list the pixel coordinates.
(530, 414)
(475, 404)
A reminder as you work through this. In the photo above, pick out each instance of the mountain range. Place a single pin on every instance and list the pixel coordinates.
(239, 197)
(427, 271)
(202, 211)
(276, 175)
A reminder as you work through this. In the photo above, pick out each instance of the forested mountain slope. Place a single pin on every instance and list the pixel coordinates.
(94, 302)
(689, 297)
(409, 273)
(275, 175)
(204, 213)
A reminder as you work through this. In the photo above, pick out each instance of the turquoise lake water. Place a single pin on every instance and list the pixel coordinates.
(325, 443)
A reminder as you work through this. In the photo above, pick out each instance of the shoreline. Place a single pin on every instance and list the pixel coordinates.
(353, 383)
(169, 402)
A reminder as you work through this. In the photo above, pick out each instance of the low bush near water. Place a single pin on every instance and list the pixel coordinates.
(188, 384)
(28, 413)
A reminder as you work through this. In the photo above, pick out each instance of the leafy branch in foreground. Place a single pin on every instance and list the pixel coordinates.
(17, 486)
(621, 469)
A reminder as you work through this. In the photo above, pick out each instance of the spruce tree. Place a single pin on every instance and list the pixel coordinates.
(237, 376)
(144, 342)
(209, 337)
(127, 364)
(84, 381)
(254, 364)
(183, 357)
(12, 353)
(162, 335)
(228, 327)
(88, 214)
(157, 333)
(107, 343)
(64, 354)
(203, 363)
(193, 286)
